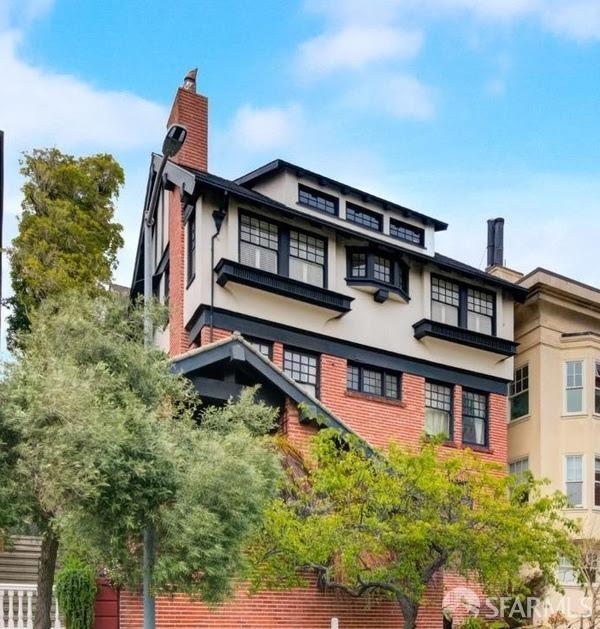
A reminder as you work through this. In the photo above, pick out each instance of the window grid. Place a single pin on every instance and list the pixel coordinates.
(519, 393)
(373, 381)
(382, 269)
(317, 200)
(475, 411)
(259, 232)
(574, 479)
(438, 409)
(191, 244)
(521, 381)
(438, 396)
(480, 302)
(519, 467)
(307, 247)
(358, 265)
(445, 292)
(301, 367)
(263, 347)
(362, 216)
(406, 232)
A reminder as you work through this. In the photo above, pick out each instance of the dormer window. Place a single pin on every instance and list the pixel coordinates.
(409, 233)
(373, 268)
(363, 217)
(317, 200)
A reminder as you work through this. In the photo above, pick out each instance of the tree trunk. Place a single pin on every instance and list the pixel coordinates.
(410, 610)
(45, 580)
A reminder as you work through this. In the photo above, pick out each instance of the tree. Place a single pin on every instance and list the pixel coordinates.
(67, 238)
(385, 523)
(104, 438)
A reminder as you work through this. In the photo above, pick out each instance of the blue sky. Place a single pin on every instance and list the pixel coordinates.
(462, 109)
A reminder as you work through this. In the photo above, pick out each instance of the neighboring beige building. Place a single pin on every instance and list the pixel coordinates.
(554, 422)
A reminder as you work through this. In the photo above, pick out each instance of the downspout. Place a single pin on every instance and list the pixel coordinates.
(218, 217)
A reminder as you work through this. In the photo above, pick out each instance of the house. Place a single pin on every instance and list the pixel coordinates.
(337, 302)
(554, 428)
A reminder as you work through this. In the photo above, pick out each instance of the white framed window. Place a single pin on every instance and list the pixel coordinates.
(519, 467)
(574, 389)
(597, 481)
(566, 572)
(574, 479)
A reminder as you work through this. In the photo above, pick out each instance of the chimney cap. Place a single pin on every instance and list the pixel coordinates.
(189, 82)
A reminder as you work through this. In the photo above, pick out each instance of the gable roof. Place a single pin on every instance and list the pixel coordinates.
(279, 165)
(235, 348)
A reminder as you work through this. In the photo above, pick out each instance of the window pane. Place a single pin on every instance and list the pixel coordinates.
(438, 396)
(258, 232)
(263, 347)
(258, 257)
(445, 301)
(575, 373)
(597, 388)
(575, 493)
(300, 367)
(437, 422)
(391, 386)
(574, 400)
(479, 323)
(597, 482)
(574, 468)
(519, 405)
(518, 468)
(406, 232)
(474, 417)
(353, 378)
(444, 313)
(307, 272)
(372, 381)
(358, 265)
(480, 302)
(382, 269)
(364, 217)
(318, 200)
(307, 247)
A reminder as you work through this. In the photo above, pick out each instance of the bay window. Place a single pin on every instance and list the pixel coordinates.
(366, 266)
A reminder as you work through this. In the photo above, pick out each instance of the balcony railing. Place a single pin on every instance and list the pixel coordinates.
(17, 605)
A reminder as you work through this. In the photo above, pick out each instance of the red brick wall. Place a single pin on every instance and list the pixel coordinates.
(191, 110)
(300, 608)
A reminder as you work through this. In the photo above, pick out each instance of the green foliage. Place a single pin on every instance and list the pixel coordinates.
(76, 593)
(386, 523)
(106, 439)
(67, 238)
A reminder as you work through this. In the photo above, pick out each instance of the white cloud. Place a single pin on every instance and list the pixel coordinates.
(400, 96)
(354, 47)
(577, 20)
(256, 130)
(38, 106)
(20, 12)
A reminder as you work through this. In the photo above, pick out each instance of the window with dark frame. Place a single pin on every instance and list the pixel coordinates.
(276, 248)
(166, 287)
(263, 347)
(597, 481)
(364, 217)
(191, 246)
(475, 418)
(318, 200)
(519, 393)
(367, 266)
(438, 409)
(463, 306)
(302, 367)
(373, 381)
(409, 233)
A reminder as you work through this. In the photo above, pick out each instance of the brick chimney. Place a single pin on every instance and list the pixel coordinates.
(191, 110)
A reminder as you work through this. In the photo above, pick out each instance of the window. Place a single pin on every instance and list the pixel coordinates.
(373, 381)
(566, 572)
(263, 347)
(480, 311)
(409, 233)
(191, 246)
(596, 481)
(597, 387)
(519, 393)
(445, 300)
(519, 467)
(363, 217)
(278, 249)
(475, 418)
(303, 368)
(166, 287)
(317, 200)
(574, 479)
(574, 386)
(438, 409)
(369, 267)
(259, 243)
(307, 258)
(463, 306)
